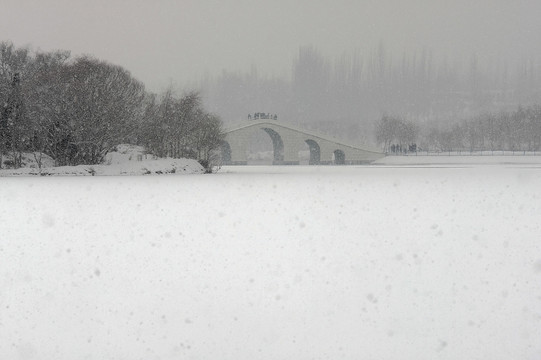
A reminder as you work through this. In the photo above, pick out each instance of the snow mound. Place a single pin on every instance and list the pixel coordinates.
(148, 167)
(125, 159)
(125, 153)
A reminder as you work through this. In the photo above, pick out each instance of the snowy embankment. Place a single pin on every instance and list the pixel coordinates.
(146, 167)
(324, 263)
(125, 160)
(460, 160)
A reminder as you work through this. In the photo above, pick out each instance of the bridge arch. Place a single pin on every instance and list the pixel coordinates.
(277, 144)
(226, 152)
(339, 157)
(315, 152)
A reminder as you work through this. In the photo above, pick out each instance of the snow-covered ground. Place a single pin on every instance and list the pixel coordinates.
(465, 160)
(126, 159)
(364, 262)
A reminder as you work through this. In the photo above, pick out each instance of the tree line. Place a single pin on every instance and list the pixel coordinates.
(516, 130)
(344, 94)
(77, 109)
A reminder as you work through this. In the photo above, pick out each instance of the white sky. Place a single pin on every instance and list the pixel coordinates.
(163, 41)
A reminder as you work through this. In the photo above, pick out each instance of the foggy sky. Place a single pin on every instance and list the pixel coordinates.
(166, 41)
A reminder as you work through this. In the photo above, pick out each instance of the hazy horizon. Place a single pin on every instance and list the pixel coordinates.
(180, 43)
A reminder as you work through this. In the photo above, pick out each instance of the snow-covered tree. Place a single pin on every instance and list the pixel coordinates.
(104, 101)
(13, 64)
(180, 127)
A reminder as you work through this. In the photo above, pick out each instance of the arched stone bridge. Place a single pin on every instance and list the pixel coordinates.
(287, 142)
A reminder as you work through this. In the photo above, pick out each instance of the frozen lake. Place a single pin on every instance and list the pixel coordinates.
(373, 262)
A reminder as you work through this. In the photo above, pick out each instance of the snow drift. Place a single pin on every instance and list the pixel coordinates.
(125, 159)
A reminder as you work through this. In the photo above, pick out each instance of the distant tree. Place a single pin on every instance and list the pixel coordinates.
(473, 134)
(393, 129)
(408, 133)
(13, 64)
(491, 130)
(387, 131)
(311, 84)
(533, 118)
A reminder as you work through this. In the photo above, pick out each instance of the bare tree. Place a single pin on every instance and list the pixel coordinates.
(13, 63)
(104, 102)
(393, 129)
(181, 128)
(47, 106)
